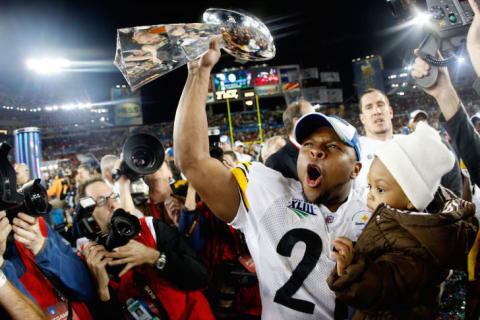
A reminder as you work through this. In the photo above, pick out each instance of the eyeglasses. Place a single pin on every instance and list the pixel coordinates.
(101, 201)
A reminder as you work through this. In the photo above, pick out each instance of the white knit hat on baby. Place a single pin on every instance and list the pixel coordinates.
(417, 162)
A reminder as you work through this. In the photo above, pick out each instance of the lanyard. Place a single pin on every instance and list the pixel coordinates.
(56, 288)
(141, 281)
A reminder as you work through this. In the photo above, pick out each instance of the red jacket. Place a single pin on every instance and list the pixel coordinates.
(38, 286)
(178, 304)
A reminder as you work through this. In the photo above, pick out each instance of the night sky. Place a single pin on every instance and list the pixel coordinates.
(327, 36)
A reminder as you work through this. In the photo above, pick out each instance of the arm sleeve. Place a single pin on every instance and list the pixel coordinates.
(12, 275)
(453, 179)
(196, 240)
(384, 283)
(58, 259)
(181, 268)
(467, 141)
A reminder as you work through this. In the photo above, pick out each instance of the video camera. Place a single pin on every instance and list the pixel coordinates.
(449, 22)
(122, 227)
(31, 199)
(143, 154)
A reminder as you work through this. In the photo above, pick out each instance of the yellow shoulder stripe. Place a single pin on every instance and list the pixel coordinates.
(180, 183)
(241, 177)
(472, 258)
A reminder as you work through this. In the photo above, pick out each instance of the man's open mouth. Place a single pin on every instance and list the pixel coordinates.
(314, 175)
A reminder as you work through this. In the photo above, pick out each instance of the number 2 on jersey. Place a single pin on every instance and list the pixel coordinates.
(313, 251)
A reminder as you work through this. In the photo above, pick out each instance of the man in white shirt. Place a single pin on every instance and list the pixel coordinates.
(376, 115)
(239, 151)
(290, 226)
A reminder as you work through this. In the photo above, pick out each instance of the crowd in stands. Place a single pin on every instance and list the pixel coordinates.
(245, 126)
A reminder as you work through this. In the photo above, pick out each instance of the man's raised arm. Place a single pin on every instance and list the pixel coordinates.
(212, 180)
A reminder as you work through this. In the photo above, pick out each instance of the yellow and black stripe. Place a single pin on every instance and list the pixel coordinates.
(240, 173)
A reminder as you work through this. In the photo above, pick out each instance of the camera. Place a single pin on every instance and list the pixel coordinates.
(448, 17)
(449, 21)
(214, 141)
(36, 200)
(122, 227)
(30, 199)
(143, 154)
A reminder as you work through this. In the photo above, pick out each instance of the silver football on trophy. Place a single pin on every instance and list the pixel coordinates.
(146, 53)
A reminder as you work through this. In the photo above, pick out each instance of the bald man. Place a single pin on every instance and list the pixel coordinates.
(23, 174)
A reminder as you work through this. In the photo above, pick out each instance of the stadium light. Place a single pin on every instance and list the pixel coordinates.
(48, 65)
(421, 19)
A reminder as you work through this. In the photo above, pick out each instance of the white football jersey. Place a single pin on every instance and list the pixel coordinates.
(290, 240)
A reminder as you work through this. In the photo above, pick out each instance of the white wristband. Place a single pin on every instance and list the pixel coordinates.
(3, 279)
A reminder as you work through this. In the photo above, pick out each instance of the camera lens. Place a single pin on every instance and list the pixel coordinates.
(141, 158)
(123, 226)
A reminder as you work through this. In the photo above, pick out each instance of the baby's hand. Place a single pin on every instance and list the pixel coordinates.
(344, 254)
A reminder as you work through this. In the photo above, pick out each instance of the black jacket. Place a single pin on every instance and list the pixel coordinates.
(285, 161)
(467, 142)
(453, 179)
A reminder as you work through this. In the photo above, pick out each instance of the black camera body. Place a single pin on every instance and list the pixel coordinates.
(449, 24)
(143, 154)
(35, 202)
(31, 199)
(214, 142)
(448, 17)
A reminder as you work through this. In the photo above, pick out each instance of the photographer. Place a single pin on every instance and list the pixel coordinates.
(160, 194)
(159, 268)
(42, 266)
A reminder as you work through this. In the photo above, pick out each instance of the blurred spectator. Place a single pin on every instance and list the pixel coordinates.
(476, 121)
(239, 149)
(225, 143)
(271, 146)
(57, 187)
(107, 164)
(23, 174)
(83, 173)
(230, 159)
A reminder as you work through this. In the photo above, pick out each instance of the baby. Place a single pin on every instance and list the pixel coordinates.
(417, 232)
